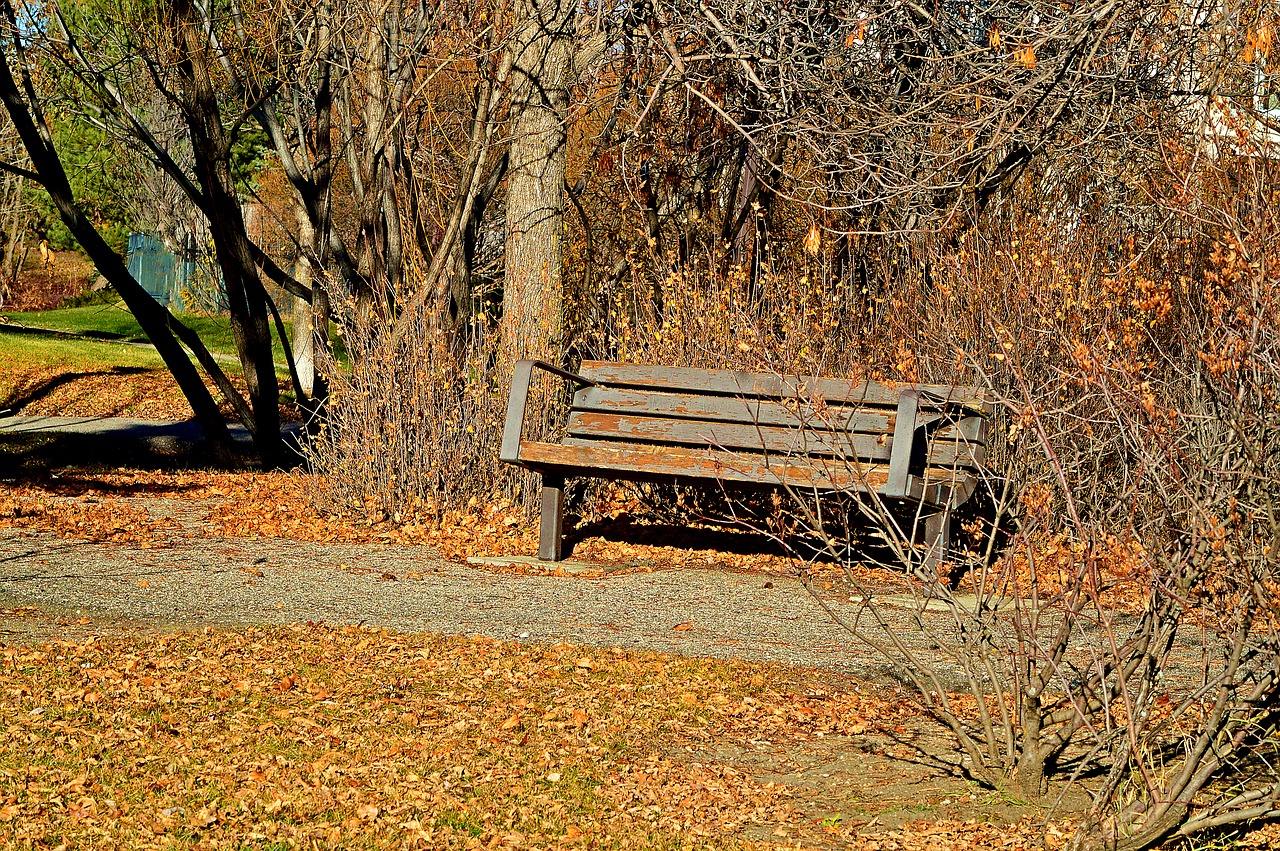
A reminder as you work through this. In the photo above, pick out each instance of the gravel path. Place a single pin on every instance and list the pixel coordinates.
(83, 588)
(215, 581)
(202, 579)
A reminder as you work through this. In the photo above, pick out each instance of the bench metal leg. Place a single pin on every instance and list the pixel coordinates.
(937, 537)
(551, 532)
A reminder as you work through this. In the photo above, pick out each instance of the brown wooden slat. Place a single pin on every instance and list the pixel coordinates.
(647, 462)
(735, 383)
(765, 412)
(827, 464)
(771, 439)
(734, 409)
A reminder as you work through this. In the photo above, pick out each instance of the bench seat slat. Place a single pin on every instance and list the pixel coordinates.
(764, 385)
(947, 448)
(826, 468)
(648, 463)
(644, 463)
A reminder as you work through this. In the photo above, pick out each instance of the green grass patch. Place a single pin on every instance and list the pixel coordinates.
(71, 355)
(113, 322)
(110, 321)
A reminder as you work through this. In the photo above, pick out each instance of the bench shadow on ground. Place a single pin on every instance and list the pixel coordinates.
(860, 542)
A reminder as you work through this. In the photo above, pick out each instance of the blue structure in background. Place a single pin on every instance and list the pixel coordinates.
(159, 272)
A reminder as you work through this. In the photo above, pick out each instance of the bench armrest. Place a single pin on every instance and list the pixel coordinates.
(898, 482)
(519, 400)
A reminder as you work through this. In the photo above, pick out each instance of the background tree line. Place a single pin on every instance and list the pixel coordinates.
(514, 174)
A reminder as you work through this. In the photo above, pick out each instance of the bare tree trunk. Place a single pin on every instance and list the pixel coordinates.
(246, 296)
(459, 312)
(304, 337)
(532, 320)
(13, 222)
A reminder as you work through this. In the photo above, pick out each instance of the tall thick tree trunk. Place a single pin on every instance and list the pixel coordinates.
(532, 320)
(246, 296)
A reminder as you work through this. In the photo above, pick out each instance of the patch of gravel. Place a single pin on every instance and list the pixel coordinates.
(215, 581)
(208, 580)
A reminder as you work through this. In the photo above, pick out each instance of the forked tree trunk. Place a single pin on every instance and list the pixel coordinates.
(246, 296)
(532, 320)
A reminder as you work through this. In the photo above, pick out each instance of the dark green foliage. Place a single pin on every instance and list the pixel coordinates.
(248, 150)
(101, 178)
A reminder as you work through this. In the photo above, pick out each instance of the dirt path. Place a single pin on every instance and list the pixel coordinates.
(51, 585)
(63, 588)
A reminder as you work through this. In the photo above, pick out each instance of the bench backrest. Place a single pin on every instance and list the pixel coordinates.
(834, 421)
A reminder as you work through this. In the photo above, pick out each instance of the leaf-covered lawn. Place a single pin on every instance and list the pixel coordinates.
(355, 737)
(311, 736)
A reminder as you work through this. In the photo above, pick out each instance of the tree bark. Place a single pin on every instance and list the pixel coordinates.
(304, 337)
(532, 303)
(246, 296)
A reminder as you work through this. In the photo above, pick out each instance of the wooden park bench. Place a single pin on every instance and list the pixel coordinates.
(918, 447)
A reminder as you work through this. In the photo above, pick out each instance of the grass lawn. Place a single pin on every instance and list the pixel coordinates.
(70, 355)
(112, 321)
(43, 374)
(104, 372)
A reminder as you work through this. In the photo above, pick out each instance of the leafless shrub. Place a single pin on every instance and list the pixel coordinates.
(1127, 637)
(410, 429)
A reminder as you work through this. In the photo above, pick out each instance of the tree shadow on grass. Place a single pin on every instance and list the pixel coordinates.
(29, 391)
